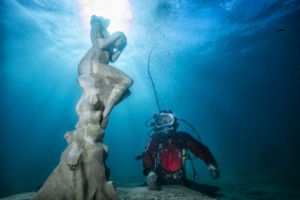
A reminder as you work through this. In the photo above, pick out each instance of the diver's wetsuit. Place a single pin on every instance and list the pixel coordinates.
(170, 169)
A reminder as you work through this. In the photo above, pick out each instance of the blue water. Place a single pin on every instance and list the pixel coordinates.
(230, 68)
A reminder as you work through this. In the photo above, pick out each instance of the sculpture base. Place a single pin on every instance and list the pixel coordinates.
(79, 175)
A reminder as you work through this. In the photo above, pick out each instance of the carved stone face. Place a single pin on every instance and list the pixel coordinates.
(99, 28)
(97, 24)
(100, 21)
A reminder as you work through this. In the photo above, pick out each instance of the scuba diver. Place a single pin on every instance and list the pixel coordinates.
(166, 152)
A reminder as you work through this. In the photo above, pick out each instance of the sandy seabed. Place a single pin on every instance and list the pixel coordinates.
(259, 190)
(174, 192)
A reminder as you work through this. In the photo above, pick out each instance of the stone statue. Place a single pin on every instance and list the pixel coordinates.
(105, 49)
(81, 171)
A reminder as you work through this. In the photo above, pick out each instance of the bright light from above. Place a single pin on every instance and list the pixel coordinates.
(119, 12)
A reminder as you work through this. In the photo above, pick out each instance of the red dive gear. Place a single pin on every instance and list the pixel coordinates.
(169, 156)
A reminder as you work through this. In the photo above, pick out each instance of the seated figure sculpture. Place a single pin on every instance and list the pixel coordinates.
(106, 48)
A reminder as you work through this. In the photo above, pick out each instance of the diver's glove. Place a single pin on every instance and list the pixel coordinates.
(151, 179)
(213, 171)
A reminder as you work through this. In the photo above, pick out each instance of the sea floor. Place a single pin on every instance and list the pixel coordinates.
(263, 190)
(230, 190)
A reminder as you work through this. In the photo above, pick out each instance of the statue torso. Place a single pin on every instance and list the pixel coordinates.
(92, 61)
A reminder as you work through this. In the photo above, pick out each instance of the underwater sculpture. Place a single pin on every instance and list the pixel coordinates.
(81, 171)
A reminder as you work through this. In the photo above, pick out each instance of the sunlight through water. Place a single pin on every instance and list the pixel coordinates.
(119, 12)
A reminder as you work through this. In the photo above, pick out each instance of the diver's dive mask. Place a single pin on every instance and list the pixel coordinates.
(164, 119)
(164, 122)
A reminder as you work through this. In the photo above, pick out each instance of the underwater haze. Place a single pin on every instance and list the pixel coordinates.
(231, 68)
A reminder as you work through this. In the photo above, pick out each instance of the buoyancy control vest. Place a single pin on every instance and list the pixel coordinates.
(171, 152)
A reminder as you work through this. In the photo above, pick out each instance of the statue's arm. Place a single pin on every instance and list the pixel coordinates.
(115, 55)
(105, 43)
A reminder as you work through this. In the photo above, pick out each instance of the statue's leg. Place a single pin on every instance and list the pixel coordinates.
(123, 82)
(116, 93)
